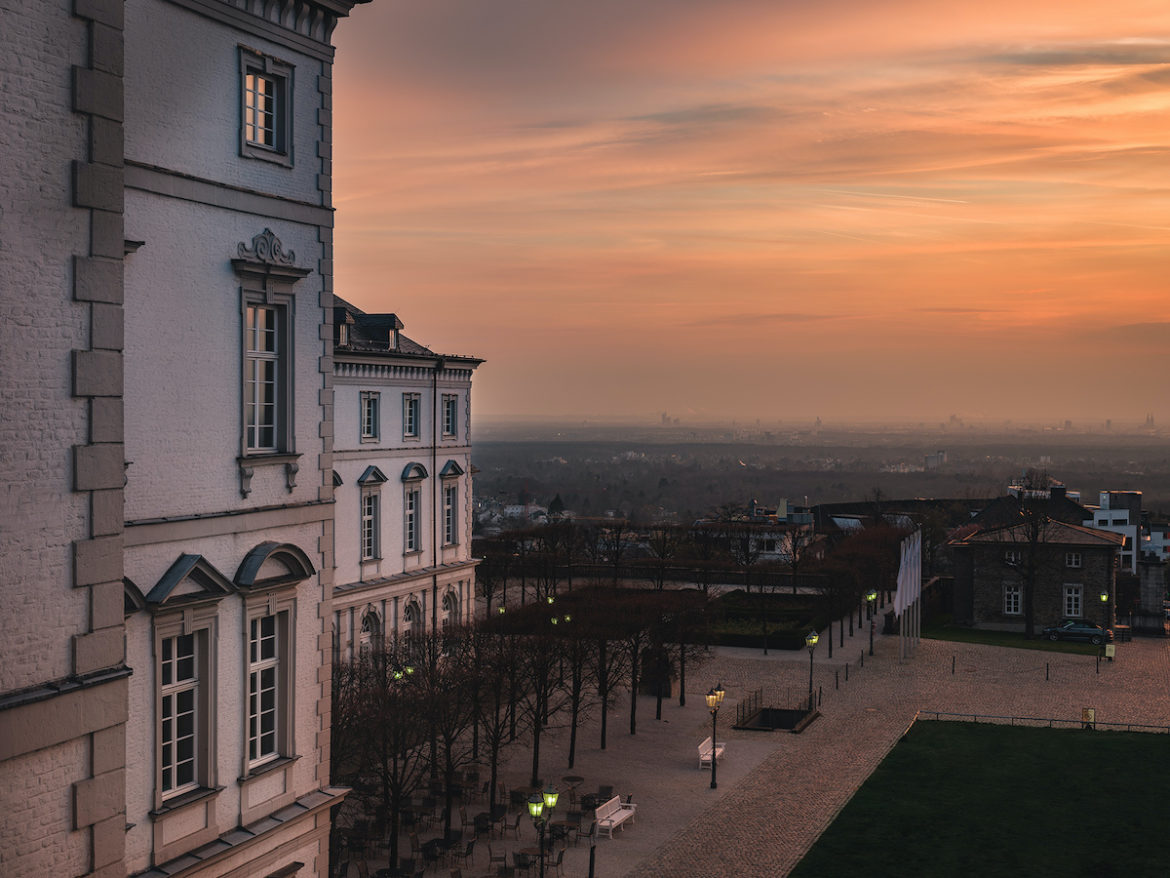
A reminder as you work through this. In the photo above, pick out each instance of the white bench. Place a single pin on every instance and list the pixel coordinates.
(612, 815)
(706, 751)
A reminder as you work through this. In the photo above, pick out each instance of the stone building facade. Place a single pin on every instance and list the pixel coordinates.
(402, 477)
(166, 408)
(1073, 566)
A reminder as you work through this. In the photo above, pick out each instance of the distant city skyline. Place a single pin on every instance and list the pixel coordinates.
(745, 209)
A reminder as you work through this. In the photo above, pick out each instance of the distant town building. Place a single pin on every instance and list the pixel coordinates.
(1120, 512)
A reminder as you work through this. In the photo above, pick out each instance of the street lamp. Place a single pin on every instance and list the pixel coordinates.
(871, 598)
(810, 640)
(540, 807)
(714, 699)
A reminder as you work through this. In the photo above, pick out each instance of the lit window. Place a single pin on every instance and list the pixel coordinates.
(411, 405)
(1072, 601)
(263, 689)
(1011, 600)
(179, 714)
(265, 130)
(450, 514)
(369, 405)
(450, 414)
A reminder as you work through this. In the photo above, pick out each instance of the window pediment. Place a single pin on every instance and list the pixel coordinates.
(450, 470)
(267, 259)
(271, 564)
(191, 578)
(413, 472)
(372, 476)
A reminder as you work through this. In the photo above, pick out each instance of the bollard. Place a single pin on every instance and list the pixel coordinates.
(820, 695)
(952, 666)
(863, 658)
(1098, 663)
(836, 679)
(847, 671)
(1046, 672)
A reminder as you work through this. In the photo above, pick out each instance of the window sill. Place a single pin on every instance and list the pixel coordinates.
(376, 559)
(413, 553)
(370, 440)
(267, 458)
(170, 806)
(280, 762)
(266, 154)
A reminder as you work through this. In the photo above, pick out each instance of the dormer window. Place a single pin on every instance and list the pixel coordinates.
(342, 335)
(392, 340)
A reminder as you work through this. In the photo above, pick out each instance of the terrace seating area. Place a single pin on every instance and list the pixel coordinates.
(479, 838)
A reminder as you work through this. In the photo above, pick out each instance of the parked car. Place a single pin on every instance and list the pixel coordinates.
(1077, 629)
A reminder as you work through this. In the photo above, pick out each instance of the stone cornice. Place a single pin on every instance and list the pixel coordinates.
(303, 25)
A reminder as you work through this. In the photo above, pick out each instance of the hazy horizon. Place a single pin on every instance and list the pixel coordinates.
(853, 210)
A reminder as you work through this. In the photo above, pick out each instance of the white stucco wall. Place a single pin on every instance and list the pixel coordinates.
(191, 123)
(184, 406)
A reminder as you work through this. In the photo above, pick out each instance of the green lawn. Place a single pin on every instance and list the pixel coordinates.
(958, 799)
(944, 630)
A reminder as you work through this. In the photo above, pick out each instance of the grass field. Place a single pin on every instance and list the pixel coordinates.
(944, 630)
(959, 799)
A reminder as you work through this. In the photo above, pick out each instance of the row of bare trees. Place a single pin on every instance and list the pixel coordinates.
(413, 713)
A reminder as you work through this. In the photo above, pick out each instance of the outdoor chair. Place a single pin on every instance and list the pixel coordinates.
(515, 827)
(559, 862)
(522, 862)
(464, 857)
(463, 819)
(493, 857)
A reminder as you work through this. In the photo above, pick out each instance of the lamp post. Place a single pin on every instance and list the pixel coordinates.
(714, 699)
(871, 599)
(810, 640)
(540, 807)
(1105, 607)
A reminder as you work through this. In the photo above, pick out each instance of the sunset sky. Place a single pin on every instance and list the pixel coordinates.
(854, 209)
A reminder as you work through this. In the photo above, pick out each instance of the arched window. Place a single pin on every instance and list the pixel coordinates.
(450, 607)
(412, 618)
(370, 637)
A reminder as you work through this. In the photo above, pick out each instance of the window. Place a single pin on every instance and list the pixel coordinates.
(411, 404)
(450, 609)
(1072, 559)
(412, 524)
(1011, 600)
(369, 526)
(411, 618)
(450, 514)
(179, 714)
(1072, 601)
(1012, 557)
(369, 405)
(266, 98)
(262, 378)
(263, 689)
(269, 646)
(450, 414)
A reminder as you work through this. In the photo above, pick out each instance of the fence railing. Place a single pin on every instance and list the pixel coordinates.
(1038, 721)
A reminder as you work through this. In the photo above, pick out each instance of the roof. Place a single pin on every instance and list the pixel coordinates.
(371, 333)
(1006, 510)
(1054, 533)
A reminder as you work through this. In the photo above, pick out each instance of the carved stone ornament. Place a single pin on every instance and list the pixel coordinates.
(266, 248)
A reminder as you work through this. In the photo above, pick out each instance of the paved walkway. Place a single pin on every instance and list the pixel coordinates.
(778, 791)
